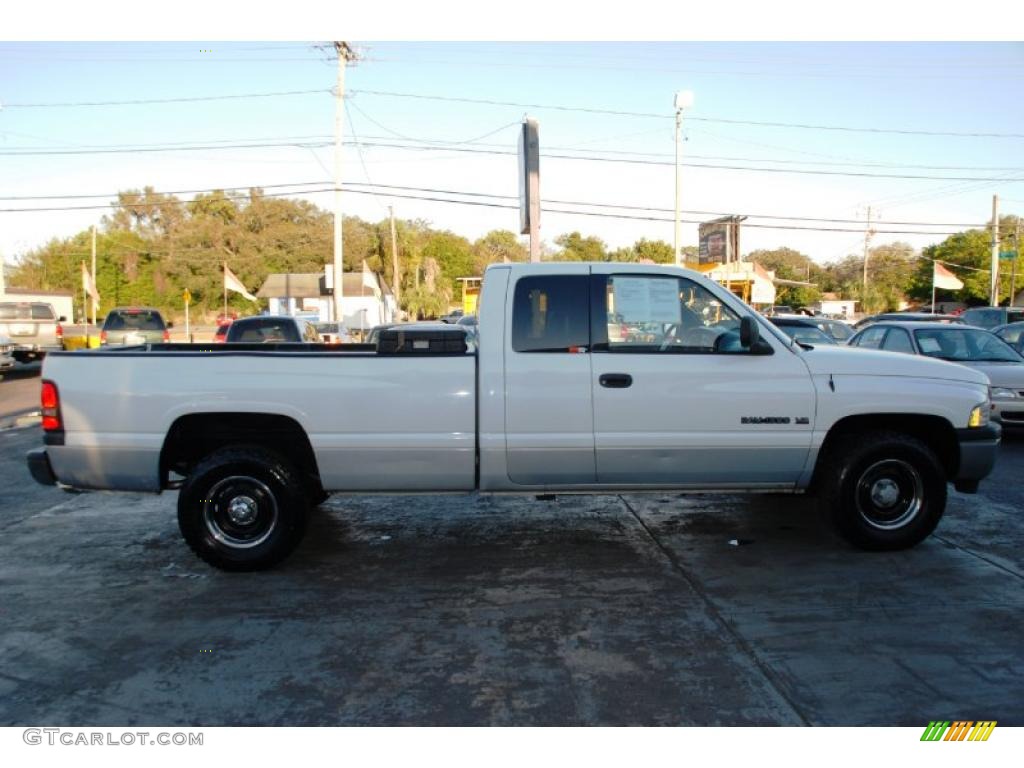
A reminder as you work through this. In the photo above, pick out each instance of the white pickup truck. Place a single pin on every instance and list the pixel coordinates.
(583, 378)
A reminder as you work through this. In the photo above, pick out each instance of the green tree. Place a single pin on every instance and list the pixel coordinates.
(497, 246)
(576, 247)
(789, 264)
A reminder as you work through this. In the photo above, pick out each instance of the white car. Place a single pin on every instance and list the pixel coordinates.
(973, 347)
(703, 395)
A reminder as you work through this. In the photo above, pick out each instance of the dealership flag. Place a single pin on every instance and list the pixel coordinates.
(943, 278)
(88, 285)
(232, 283)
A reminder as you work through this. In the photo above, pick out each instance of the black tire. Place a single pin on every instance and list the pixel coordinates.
(243, 508)
(882, 490)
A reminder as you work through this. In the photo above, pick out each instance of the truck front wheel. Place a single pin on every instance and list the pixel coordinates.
(242, 508)
(883, 490)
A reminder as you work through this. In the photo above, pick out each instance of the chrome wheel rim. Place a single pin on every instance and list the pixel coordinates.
(889, 494)
(240, 512)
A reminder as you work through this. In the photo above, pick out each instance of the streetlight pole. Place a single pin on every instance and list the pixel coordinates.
(683, 100)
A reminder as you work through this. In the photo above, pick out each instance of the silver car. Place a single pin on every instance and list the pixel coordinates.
(6, 360)
(964, 344)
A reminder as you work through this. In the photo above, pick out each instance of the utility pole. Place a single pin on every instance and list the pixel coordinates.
(396, 277)
(344, 54)
(94, 271)
(993, 292)
(867, 244)
(683, 100)
(1013, 264)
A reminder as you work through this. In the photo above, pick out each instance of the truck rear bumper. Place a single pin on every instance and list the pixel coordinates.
(39, 466)
(978, 449)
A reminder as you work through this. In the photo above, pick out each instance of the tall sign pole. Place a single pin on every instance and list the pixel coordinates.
(344, 54)
(993, 292)
(529, 185)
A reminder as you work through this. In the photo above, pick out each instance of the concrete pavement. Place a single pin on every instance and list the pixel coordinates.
(453, 610)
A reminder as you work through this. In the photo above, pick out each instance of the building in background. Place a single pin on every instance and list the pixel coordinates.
(366, 301)
(833, 306)
(747, 279)
(63, 301)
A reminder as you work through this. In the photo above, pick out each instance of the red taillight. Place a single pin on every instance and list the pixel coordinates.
(60, 332)
(50, 401)
(103, 337)
(167, 335)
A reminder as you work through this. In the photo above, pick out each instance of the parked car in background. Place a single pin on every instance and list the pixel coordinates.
(6, 347)
(221, 334)
(227, 318)
(329, 333)
(374, 334)
(452, 317)
(803, 330)
(779, 309)
(992, 317)
(1012, 334)
(837, 329)
(907, 317)
(271, 329)
(33, 328)
(128, 326)
(973, 347)
(469, 322)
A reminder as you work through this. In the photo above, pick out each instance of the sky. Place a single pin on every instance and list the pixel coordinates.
(910, 90)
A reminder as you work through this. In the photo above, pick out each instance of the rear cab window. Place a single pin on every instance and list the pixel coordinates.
(263, 331)
(984, 318)
(551, 313)
(24, 311)
(134, 320)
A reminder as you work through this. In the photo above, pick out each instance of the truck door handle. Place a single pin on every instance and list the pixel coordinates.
(615, 380)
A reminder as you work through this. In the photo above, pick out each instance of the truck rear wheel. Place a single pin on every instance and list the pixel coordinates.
(242, 508)
(883, 490)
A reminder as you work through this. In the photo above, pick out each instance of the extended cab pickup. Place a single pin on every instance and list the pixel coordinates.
(586, 377)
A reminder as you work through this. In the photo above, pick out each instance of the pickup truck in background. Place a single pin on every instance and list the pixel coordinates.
(598, 378)
(33, 328)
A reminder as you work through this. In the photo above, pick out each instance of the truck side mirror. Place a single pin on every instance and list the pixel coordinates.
(750, 337)
(749, 332)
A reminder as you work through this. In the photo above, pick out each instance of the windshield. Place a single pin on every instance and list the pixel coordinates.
(838, 331)
(806, 334)
(964, 345)
(11, 311)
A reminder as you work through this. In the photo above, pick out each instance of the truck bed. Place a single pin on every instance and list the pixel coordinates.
(404, 421)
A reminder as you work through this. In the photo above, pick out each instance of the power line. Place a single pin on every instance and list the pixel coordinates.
(435, 190)
(665, 116)
(464, 149)
(488, 204)
(318, 140)
(174, 100)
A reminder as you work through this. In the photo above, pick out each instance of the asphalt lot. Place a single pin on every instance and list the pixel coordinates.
(447, 610)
